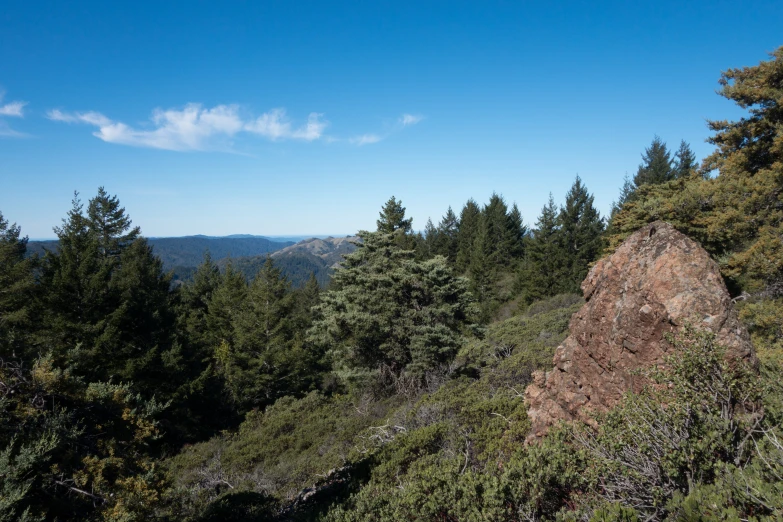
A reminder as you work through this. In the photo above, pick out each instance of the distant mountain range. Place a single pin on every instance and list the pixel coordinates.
(246, 252)
(319, 256)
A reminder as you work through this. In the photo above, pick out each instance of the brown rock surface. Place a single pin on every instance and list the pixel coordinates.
(657, 280)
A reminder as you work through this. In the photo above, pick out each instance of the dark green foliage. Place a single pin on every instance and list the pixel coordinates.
(539, 276)
(684, 161)
(264, 361)
(431, 238)
(562, 246)
(392, 218)
(580, 228)
(17, 291)
(446, 244)
(73, 451)
(388, 314)
(106, 298)
(469, 225)
(108, 221)
(657, 165)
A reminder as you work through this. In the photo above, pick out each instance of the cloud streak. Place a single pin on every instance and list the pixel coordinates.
(410, 119)
(276, 126)
(198, 128)
(405, 120)
(366, 139)
(14, 109)
(195, 128)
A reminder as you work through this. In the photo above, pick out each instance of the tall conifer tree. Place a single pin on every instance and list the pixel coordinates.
(17, 286)
(543, 262)
(469, 223)
(579, 236)
(448, 235)
(656, 166)
(392, 218)
(684, 161)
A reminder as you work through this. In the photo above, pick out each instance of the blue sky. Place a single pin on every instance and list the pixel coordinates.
(280, 118)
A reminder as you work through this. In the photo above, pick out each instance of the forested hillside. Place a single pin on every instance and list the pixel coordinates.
(397, 393)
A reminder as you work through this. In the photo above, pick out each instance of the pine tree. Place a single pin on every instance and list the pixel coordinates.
(259, 364)
(107, 219)
(107, 301)
(685, 161)
(194, 298)
(392, 218)
(580, 229)
(469, 223)
(656, 165)
(626, 195)
(483, 268)
(517, 232)
(388, 314)
(543, 256)
(431, 238)
(224, 304)
(498, 241)
(204, 408)
(75, 282)
(448, 231)
(17, 287)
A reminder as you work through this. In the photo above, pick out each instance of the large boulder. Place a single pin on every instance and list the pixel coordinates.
(655, 282)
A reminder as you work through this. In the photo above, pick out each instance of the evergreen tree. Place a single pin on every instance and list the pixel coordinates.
(108, 307)
(259, 364)
(684, 161)
(626, 195)
(194, 298)
(656, 166)
(448, 231)
(543, 256)
(76, 300)
(17, 287)
(306, 299)
(203, 407)
(483, 268)
(108, 221)
(225, 303)
(431, 238)
(517, 233)
(580, 230)
(499, 236)
(469, 223)
(388, 314)
(392, 218)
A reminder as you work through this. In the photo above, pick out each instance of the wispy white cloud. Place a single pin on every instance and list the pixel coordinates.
(410, 119)
(366, 139)
(195, 127)
(405, 120)
(275, 125)
(14, 109)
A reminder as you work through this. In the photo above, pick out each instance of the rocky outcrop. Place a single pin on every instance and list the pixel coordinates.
(655, 282)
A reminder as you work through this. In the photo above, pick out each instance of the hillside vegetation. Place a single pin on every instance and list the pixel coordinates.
(397, 392)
